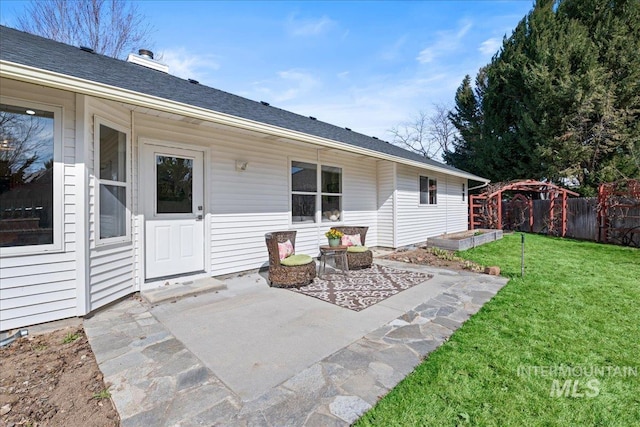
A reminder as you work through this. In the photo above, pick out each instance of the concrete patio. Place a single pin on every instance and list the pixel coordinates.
(254, 355)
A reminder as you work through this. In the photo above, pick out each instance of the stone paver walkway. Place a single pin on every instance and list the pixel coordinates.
(157, 381)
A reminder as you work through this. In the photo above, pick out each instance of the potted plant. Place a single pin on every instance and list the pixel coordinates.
(334, 237)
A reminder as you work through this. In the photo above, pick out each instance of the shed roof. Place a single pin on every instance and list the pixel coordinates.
(34, 51)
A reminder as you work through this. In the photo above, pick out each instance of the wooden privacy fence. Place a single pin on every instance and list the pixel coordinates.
(487, 210)
(582, 221)
(537, 207)
(582, 218)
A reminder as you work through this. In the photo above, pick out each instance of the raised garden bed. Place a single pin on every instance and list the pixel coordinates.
(465, 240)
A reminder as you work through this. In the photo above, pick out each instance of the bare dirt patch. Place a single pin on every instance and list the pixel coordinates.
(434, 257)
(53, 380)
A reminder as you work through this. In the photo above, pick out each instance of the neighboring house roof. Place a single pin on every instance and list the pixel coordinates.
(33, 51)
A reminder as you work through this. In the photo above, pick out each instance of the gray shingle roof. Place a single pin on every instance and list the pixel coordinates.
(27, 49)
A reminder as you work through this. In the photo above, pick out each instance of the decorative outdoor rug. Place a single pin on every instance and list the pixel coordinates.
(360, 289)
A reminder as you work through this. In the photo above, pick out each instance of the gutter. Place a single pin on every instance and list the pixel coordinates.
(479, 186)
(25, 73)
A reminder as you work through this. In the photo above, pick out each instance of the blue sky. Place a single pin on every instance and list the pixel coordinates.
(364, 65)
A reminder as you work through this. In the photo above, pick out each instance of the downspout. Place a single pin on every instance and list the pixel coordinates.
(319, 198)
(133, 220)
(83, 139)
(446, 205)
(394, 205)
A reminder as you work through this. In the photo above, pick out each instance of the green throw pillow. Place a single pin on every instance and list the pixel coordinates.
(357, 249)
(293, 260)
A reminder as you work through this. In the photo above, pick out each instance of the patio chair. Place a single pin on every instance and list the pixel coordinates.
(293, 271)
(358, 257)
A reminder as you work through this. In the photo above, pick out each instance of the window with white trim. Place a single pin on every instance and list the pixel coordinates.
(315, 189)
(30, 179)
(113, 206)
(428, 191)
(464, 192)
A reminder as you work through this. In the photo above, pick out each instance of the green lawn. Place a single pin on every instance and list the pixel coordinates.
(577, 307)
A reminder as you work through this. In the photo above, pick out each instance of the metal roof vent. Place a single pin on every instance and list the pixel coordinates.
(264, 103)
(348, 129)
(312, 118)
(145, 53)
(145, 58)
(87, 49)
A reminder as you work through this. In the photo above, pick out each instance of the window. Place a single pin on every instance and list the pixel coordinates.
(113, 183)
(30, 138)
(174, 184)
(331, 193)
(315, 185)
(464, 193)
(428, 191)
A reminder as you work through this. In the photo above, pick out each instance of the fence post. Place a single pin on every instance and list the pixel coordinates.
(522, 255)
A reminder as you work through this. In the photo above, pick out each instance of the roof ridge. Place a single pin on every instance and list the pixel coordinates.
(40, 52)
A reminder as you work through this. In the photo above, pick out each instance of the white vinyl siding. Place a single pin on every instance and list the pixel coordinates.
(110, 266)
(36, 288)
(242, 206)
(386, 203)
(360, 198)
(457, 208)
(415, 222)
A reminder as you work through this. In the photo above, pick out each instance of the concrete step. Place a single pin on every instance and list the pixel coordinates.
(175, 290)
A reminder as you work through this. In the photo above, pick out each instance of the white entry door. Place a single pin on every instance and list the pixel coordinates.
(173, 194)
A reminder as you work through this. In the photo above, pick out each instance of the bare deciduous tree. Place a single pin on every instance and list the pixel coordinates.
(426, 134)
(21, 145)
(110, 27)
(441, 130)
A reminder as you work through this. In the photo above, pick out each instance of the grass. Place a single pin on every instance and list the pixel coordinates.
(103, 394)
(70, 337)
(577, 307)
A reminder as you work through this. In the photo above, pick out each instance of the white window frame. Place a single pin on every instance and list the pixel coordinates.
(428, 178)
(464, 192)
(318, 194)
(58, 181)
(97, 122)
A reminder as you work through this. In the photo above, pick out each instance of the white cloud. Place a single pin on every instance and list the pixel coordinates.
(426, 55)
(309, 27)
(446, 41)
(490, 46)
(302, 83)
(187, 65)
(290, 85)
(374, 106)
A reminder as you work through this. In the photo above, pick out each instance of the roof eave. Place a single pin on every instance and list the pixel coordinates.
(25, 73)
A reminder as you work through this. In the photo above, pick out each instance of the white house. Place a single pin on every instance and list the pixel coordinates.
(115, 175)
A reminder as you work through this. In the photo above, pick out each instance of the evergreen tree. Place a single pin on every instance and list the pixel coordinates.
(467, 120)
(560, 100)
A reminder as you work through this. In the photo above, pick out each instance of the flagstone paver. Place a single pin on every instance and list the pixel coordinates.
(156, 380)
